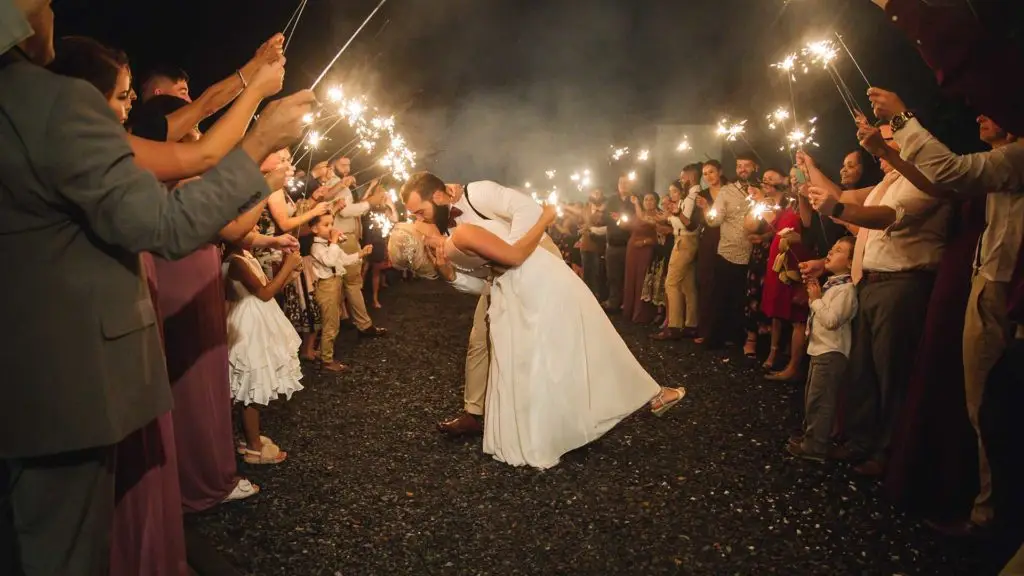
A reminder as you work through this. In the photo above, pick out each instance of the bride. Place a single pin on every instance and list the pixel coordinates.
(560, 376)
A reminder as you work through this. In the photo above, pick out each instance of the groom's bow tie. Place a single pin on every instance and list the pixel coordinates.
(452, 215)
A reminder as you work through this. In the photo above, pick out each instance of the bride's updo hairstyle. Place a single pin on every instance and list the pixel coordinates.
(407, 251)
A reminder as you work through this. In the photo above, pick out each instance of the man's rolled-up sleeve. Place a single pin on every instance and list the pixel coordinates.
(494, 200)
(88, 160)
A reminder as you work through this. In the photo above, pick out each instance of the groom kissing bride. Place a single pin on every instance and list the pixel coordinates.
(544, 363)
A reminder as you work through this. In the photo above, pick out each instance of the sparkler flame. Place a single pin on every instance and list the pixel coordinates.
(528, 185)
(381, 222)
(314, 139)
(335, 94)
(643, 155)
(777, 117)
(308, 118)
(822, 52)
(684, 145)
(731, 131)
(631, 175)
(551, 174)
(618, 153)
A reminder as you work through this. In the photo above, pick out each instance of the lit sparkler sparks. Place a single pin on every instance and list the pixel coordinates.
(713, 213)
(308, 118)
(623, 219)
(619, 153)
(631, 175)
(643, 155)
(381, 222)
(335, 94)
(684, 145)
(528, 185)
(822, 52)
(551, 174)
(801, 137)
(780, 115)
(731, 131)
(314, 139)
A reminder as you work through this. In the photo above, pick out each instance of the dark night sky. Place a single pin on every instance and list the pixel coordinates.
(504, 85)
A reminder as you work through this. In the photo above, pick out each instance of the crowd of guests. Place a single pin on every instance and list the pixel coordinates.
(893, 293)
(191, 275)
(165, 277)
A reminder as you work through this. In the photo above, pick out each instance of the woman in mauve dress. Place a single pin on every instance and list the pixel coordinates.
(639, 255)
(147, 535)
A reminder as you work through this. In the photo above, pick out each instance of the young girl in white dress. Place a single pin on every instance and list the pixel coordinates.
(263, 356)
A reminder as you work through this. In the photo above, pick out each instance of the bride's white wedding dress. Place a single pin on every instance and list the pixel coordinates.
(560, 374)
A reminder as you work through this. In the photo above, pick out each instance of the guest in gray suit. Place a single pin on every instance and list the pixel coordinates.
(86, 368)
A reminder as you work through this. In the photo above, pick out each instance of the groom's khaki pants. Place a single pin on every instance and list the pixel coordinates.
(478, 354)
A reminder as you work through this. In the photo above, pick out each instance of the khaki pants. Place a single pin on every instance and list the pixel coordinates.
(987, 332)
(328, 296)
(681, 283)
(478, 353)
(478, 359)
(353, 280)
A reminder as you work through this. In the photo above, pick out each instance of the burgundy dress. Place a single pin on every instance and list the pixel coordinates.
(776, 296)
(933, 468)
(147, 535)
(195, 326)
(638, 261)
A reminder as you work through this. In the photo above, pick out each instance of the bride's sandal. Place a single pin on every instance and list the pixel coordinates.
(659, 406)
(242, 448)
(270, 454)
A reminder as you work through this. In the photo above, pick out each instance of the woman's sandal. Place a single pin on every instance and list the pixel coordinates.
(242, 490)
(269, 454)
(659, 406)
(751, 354)
(242, 446)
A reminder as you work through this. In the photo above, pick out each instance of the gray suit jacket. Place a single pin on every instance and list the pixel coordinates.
(81, 364)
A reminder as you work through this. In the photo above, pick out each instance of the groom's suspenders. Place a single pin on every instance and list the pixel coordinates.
(466, 194)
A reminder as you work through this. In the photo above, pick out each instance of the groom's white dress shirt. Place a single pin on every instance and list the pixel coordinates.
(498, 203)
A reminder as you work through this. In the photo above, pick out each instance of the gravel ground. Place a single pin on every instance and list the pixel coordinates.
(371, 488)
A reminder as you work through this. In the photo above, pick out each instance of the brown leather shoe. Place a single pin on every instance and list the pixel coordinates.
(462, 425)
(333, 366)
(668, 334)
(870, 468)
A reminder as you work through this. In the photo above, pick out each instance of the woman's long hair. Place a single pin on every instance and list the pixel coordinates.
(86, 59)
(871, 171)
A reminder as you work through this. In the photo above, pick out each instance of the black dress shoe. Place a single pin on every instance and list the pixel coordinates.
(372, 332)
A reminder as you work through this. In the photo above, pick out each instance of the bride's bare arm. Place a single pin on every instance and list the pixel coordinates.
(476, 240)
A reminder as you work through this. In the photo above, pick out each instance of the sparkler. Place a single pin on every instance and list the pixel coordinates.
(800, 138)
(643, 155)
(824, 53)
(713, 213)
(631, 175)
(777, 117)
(731, 131)
(618, 153)
(345, 47)
(381, 222)
(551, 174)
(684, 145)
(852, 59)
(293, 23)
(528, 185)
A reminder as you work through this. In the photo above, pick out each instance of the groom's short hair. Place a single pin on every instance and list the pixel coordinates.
(422, 183)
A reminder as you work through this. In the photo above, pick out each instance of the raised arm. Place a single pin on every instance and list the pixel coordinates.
(278, 207)
(476, 240)
(180, 122)
(90, 162)
(1000, 170)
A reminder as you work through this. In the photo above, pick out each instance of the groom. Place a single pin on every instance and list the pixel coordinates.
(428, 198)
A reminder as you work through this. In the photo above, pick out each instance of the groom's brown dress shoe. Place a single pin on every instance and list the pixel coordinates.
(462, 425)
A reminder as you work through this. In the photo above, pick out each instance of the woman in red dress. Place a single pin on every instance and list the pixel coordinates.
(784, 298)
